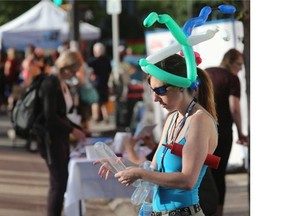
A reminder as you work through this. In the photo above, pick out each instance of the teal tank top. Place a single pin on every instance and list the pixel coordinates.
(166, 199)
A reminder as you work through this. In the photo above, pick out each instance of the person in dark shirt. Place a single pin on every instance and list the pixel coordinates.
(56, 102)
(101, 66)
(226, 86)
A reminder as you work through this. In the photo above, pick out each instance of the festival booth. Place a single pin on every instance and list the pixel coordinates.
(44, 25)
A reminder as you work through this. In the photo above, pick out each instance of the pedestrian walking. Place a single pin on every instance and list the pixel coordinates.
(227, 97)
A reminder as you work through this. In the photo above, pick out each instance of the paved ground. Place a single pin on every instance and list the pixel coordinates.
(24, 183)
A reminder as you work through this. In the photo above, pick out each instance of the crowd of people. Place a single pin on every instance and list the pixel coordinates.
(73, 84)
(91, 93)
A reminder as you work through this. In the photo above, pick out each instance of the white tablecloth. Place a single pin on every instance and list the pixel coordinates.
(84, 183)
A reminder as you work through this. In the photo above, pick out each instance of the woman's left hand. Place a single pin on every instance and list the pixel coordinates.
(104, 170)
(129, 175)
(242, 139)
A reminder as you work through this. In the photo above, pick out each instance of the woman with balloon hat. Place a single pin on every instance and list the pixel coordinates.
(190, 130)
(176, 82)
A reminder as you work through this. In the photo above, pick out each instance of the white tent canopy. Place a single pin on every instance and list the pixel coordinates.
(45, 25)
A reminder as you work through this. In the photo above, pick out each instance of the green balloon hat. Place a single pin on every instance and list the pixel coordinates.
(186, 40)
(187, 50)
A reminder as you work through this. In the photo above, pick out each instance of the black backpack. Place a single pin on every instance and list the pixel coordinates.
(26, 109)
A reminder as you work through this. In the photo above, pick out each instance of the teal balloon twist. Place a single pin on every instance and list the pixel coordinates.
(57, 2)
(187, 50)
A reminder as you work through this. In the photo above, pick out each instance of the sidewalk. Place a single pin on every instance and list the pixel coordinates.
(24, 182)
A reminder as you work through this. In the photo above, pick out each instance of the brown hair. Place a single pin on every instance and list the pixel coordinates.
(176, 64)
(206, 93)
(229, 58)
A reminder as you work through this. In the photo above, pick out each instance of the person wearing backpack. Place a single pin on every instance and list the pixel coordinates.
(26, 106)
(53, 127)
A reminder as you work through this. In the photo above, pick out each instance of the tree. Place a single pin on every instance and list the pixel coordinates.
(10, 10)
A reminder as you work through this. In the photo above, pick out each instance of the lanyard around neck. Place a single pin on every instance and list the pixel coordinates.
(179, 128)
(183, 120)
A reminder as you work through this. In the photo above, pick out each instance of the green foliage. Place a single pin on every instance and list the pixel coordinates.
(97, 8)
(177, 9)
(9, 10)
(182, 10)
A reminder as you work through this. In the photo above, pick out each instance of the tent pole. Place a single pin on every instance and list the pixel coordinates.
(74, 26)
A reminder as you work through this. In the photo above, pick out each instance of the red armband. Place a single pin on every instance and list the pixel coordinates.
(211, 160)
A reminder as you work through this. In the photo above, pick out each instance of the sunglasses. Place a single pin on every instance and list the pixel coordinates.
(162, 90)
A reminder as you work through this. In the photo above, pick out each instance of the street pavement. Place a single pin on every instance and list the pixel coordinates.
(24, 181)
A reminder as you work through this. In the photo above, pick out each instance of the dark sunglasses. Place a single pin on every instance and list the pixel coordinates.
(162, 90)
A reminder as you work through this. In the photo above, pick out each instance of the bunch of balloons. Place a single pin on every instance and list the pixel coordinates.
(185, 42)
